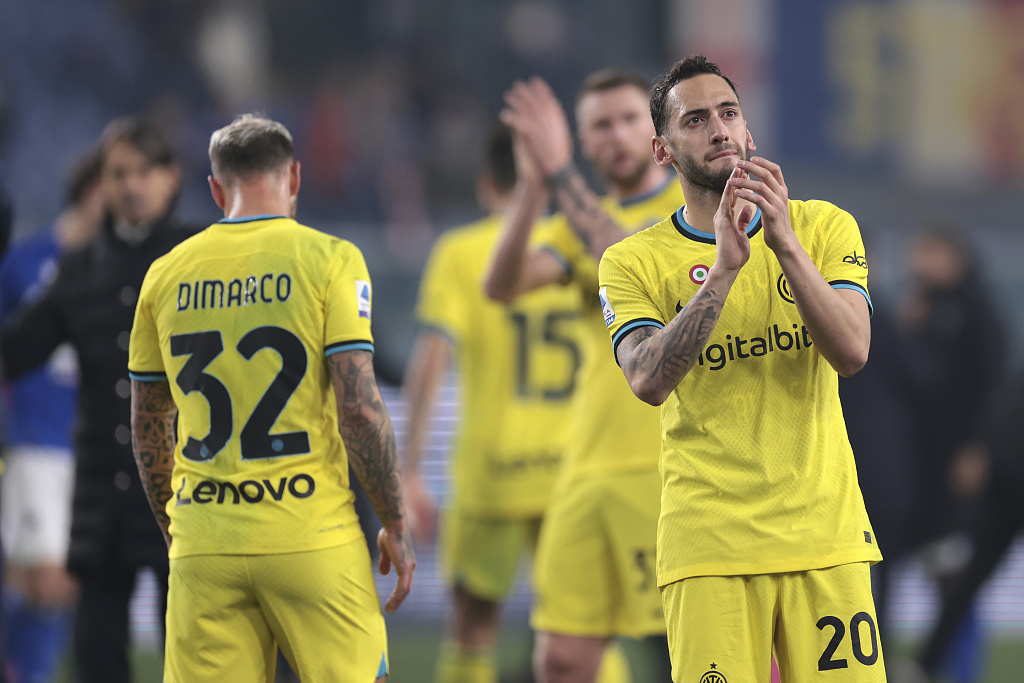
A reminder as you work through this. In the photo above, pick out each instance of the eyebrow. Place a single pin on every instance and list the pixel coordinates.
(705, 111)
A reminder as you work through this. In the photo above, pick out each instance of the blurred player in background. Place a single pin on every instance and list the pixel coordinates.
(91, 304)
(594, 575)
(255, 337)
(518, 367)
(6, 220)
(763, 539)
(39, 462)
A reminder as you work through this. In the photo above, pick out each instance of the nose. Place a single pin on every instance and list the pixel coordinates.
(717, 130)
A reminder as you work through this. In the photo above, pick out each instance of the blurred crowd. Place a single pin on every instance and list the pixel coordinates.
(387, 138)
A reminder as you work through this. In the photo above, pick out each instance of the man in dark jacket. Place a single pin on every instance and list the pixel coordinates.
(91, 304)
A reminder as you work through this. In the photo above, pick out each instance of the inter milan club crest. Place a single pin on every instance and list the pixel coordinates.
(713, 676)
(699, 274)
(784, 289)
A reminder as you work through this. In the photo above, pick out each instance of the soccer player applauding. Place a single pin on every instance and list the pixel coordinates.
(738, 313)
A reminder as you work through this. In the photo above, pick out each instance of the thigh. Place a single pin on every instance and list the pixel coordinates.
(482, 554)
(720, 628)
(324, 611)
(630, 511)
(216, 631)
(827, 625)
(37, 505)
(573, 575)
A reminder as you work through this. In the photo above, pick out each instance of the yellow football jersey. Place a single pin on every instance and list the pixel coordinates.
(611, 430)
(239, 319)
(518, 368)
(757, 472)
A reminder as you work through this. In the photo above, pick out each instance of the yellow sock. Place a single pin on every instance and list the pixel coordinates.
(614, 666)
(454, 666)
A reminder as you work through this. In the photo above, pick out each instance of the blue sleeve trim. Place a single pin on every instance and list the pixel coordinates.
(382, 670)
(629, 327)
(148, 376)
(355, 345)
(848, 284)
(560, 257)
(438, 330)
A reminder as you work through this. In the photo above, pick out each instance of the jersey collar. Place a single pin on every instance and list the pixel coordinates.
(251, 219)
(690, 232)
(636, 199)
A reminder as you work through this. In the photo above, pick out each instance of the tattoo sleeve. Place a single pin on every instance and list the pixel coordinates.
(659, 359)
(153, 441)
(366, 429)
(583, 209)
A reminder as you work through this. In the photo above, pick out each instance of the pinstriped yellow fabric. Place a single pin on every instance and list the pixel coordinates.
(517, 374)
(757, 472)
(238, 319)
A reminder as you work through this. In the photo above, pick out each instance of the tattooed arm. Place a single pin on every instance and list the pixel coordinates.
(153, 440)
(655, 361)
(583, 209)
(540, 124)
(370, 441)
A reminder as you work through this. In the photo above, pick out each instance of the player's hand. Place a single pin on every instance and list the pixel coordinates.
(420, 507)
(532, 111)
(731, 221)
(395, 546)
(527, 167)
(771, 195)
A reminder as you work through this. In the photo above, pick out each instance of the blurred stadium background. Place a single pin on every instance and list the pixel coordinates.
(900, 111)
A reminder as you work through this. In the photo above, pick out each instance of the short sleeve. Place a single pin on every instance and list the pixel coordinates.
(442, 302)
(625, 300)
(145, 362)
(348, 303)
(844, 264)
(556, 237)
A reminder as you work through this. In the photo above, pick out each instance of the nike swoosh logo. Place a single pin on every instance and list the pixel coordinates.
(679, 306)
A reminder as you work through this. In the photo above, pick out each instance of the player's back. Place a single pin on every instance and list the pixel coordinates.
(518, 366)
(239, 318)
(613, 431)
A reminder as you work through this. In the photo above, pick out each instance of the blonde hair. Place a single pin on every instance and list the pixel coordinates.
(251, 144)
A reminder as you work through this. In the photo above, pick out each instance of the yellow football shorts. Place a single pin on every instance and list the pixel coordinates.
(226, 614)
(821, 622)
(595, 569)
(482, 554)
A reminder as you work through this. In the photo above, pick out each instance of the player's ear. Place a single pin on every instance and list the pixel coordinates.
(294, 178)
(217, 190)
(750, 142)
(662, 152)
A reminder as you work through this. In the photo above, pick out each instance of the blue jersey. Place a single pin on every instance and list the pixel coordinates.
(41, 404)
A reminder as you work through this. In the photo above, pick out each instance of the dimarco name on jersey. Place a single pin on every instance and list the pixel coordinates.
(244, 291)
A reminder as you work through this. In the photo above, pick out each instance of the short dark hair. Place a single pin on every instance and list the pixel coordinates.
(85, 175)
(684, 69)
(249, 145)
(609, 79)
(500, 160)
(141, 134)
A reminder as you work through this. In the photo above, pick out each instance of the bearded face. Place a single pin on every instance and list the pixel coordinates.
(711, 173)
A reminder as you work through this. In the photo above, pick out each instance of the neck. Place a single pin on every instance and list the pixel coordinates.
(651, 179)
(258, 198)
(498, 204)
(702, 205)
